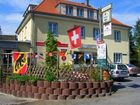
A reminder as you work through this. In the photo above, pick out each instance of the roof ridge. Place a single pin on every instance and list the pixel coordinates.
(39, 5)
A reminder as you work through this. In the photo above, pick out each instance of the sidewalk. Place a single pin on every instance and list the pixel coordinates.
(6, 99)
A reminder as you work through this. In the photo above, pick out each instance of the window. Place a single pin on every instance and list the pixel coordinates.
(90, 14)
(80, 12)
(117, 57)
(69, 10)
(53, 28)
(117, 36)
(82, 32)
(96, 33)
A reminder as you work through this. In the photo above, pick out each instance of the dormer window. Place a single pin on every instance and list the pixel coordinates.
(90, 14)
(69, 10)
(80, 12)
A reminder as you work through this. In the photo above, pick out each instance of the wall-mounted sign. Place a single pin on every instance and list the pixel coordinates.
(63, 58)
(107, 29)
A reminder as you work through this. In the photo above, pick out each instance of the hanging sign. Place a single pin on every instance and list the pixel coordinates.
(106, 13)
(101, 51)
(107, 29)
(20, 62)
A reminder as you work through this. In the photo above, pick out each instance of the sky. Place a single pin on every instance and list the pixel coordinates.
(11, 11)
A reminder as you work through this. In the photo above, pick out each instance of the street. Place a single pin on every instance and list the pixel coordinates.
(126, 92)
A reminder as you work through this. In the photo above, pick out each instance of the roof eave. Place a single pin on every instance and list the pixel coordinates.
(23, 21)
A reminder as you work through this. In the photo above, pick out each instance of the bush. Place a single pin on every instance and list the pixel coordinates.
(95, 74)
(22, 78)
(33, 79)
(49, 74)
(66, 66)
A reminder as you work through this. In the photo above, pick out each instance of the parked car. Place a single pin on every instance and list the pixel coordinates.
(133, 70)
(118, 71)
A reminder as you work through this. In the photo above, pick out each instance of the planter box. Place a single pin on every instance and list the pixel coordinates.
(75, 92)
(62, 97)
(34, 89)
(55, 85)
(57, 91)
(66, 92)
(40, 83)
(64, 85)
(96, 85)
(44, 97)
(47, 84)
(81, 85)
(37, 95)
(49, 91)
(28, 88)
(89, 84)
(42, 90)
(73, 85)
(53, 97)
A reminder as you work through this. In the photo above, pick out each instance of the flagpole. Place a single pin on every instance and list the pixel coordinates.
(101, 36)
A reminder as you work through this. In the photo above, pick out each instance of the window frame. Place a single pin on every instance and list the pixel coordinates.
(80, 12)
(52, 29)
(94, 35)
(90, 14)
(83, 31)
(117, 36)
(69, 10)
(116, 55)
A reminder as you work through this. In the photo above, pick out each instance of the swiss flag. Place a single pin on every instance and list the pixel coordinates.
(75, 37)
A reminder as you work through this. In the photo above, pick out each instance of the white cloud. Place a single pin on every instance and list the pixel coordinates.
(19, 4)
(16, 17)
(127, 18)
(10, 22)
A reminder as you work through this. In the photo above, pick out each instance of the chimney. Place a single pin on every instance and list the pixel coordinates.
(0, 31)
(87, 2)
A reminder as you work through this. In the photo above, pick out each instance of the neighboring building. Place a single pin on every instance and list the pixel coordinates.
(58, 16)
(9, 44)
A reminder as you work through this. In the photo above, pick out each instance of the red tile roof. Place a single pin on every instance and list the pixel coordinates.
(49, 6)
(114, 21)
(76, 4)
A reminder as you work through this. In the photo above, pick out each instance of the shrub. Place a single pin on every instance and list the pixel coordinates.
(95, 74)
(49, 74)
(66, 66)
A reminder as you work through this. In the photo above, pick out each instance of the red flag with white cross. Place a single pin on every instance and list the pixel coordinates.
(75, 37)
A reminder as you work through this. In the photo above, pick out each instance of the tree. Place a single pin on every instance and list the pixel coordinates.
(51, 47)
(135, 43)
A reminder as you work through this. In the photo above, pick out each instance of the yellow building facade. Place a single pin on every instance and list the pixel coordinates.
(58, 17)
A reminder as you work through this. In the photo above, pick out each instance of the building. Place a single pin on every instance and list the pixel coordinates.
(58, 16)
(9, 44)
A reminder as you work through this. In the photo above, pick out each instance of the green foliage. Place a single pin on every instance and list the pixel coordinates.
(22, 78)
(33, 79)
(135, 44)
(49, 74)
(51, 46)
(95, 74)
(19, 78)
(66, 66)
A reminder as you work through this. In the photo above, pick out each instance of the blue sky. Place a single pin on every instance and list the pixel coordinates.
(11, 11)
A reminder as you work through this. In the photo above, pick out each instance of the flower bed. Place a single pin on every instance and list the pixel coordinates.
(57, 90)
